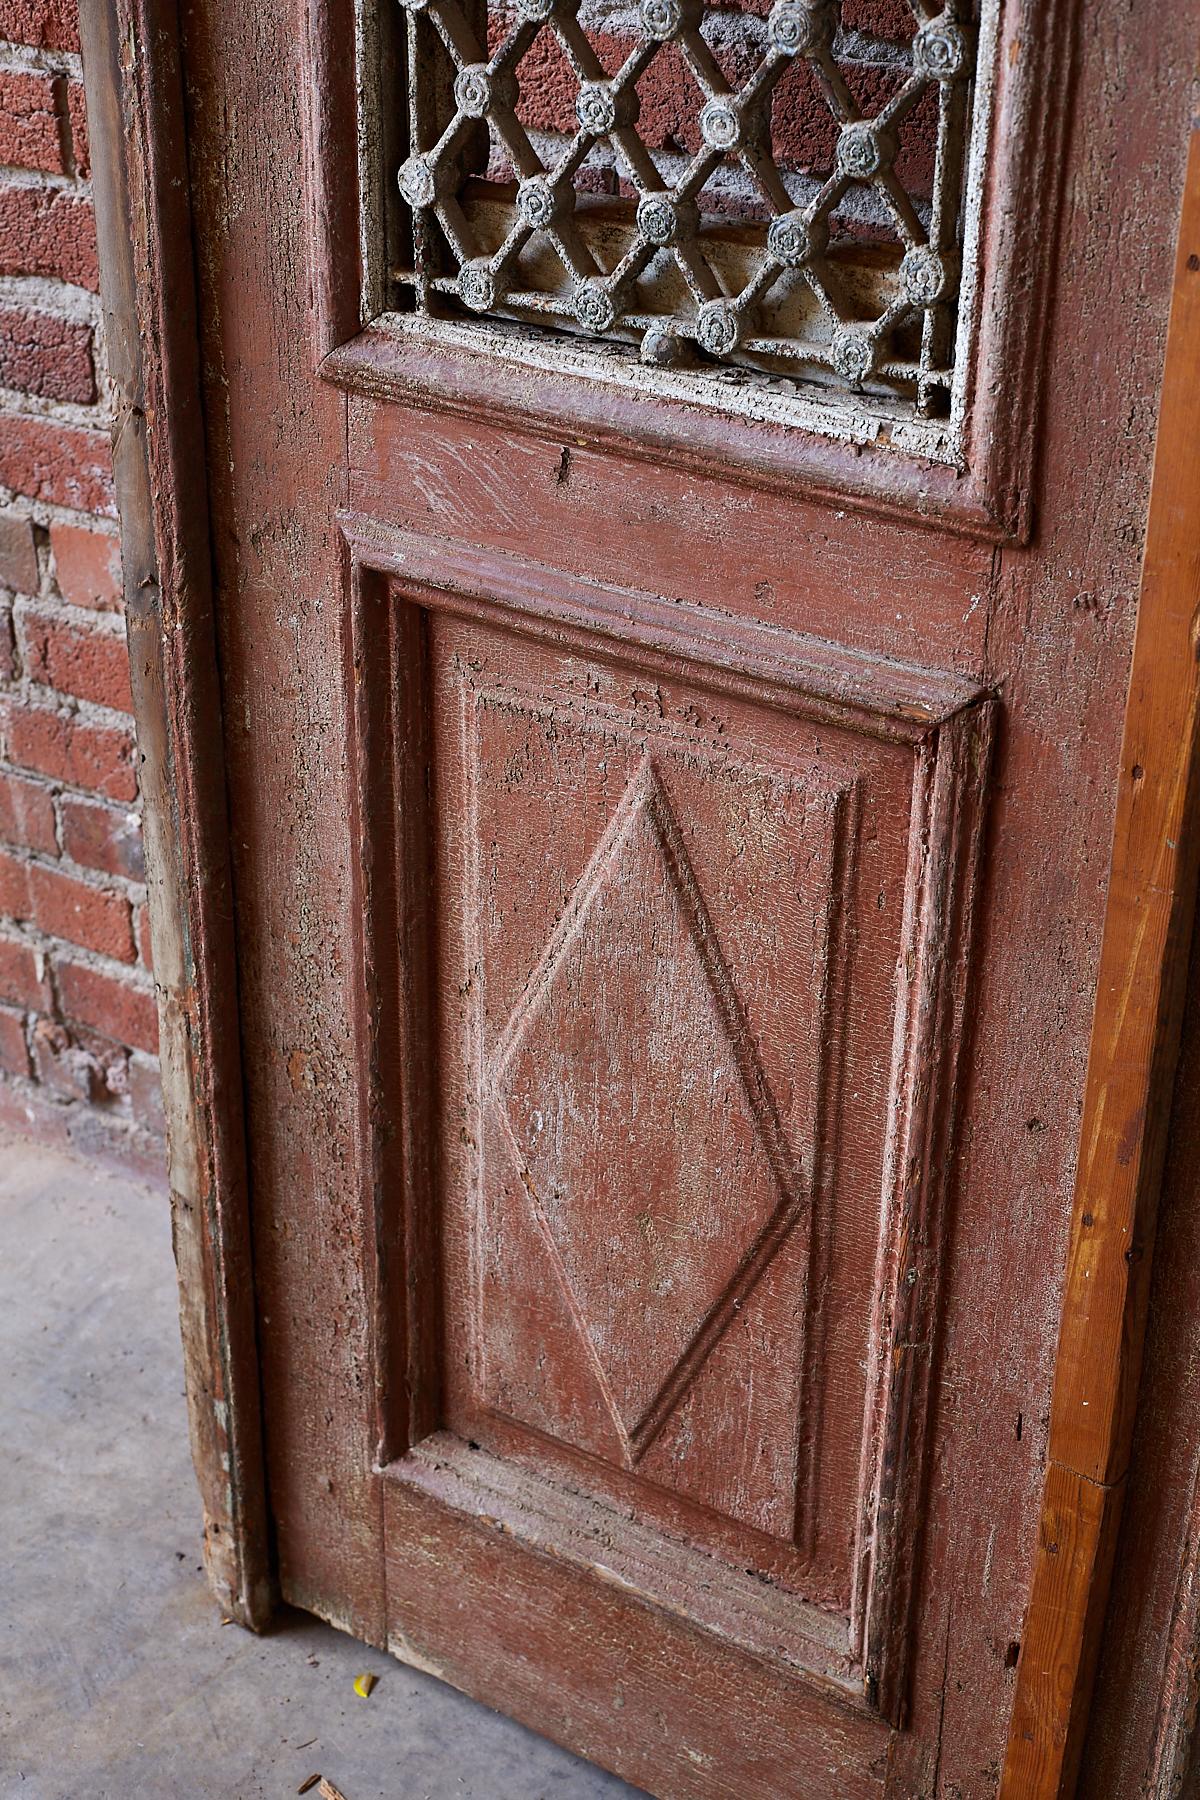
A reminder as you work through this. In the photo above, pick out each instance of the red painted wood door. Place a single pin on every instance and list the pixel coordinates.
(676, 478)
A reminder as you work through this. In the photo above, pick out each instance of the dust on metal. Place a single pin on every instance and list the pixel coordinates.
(725, 257)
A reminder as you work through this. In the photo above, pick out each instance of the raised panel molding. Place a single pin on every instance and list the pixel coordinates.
(629, 1066)
(665, 946)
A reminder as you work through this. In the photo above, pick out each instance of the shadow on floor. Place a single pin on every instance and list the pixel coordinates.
(117, 1679)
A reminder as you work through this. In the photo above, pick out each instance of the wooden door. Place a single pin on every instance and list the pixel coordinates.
(676, 478)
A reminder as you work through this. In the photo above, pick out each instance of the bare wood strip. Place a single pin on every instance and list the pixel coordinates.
(1135, 1038)
(131, 54)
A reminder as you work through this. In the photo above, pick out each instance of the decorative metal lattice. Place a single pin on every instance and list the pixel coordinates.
(717, 245)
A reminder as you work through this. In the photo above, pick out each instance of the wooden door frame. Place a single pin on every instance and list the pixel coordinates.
(1127, 1097)
(136, 107)
(134, 85)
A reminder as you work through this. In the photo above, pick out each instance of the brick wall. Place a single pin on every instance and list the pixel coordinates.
(77, 1010)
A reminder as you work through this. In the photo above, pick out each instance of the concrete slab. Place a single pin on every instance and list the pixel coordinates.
(117, 1679)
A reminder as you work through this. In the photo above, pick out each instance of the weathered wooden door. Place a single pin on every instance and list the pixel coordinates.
(676, 479)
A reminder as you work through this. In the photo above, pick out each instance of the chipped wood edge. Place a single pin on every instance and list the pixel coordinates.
(135, 108)
(951, 793)
(1135, 1040)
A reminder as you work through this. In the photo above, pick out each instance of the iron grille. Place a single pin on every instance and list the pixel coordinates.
(778, 195)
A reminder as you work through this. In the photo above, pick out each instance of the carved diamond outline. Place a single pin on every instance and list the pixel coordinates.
(645, 798)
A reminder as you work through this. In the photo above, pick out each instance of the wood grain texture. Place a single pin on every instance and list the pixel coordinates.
(275, 440)
(143, 215)
(921, 599)
(1141, 1728)
(1134, 1043)
(660, 1706)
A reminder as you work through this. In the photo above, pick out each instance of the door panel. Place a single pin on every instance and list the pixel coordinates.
(686, 906)
(629, 906)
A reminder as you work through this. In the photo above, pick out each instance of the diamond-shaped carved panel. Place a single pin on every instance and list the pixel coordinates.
(641, 1124)
(670, 938)
(781, 193)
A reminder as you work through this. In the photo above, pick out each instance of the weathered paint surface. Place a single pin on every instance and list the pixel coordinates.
(144, 221)
(563, 771)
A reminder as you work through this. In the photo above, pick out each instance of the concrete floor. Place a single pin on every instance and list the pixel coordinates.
(117, 1679)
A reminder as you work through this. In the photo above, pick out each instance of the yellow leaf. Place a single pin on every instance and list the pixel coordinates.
(363, 1685)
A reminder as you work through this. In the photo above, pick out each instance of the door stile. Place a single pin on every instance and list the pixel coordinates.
(143, 210)
(386, 674)
(1135, 1041)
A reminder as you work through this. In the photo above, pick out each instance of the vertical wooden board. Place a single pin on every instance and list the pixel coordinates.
(1076, 1537)
(1141, 1730)
(1134, 1042)
(1058, 644)
(276, 440)
(144, 228)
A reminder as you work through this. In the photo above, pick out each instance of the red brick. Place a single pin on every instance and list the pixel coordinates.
(22, 976)
(65, 907)
(126, 1013)
(805, 132)
(96, 757)
(87, 566)
(880, 18)
(79, 1067)
(18, 553)
(46, 231)
(77, 113)
(63, 1066)
(103, 837)
(29, 135)
(42, 353)
(804, 129)
(112, 1060)
(27, 814)
(14, 1053)
(8, 645)
(65, 465)
(47, 24)
(78, 659)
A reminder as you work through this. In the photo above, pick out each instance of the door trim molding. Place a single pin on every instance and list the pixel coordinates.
(1131, 1065)
(131, 53)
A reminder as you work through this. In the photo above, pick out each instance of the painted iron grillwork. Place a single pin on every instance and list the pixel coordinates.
(718, 251)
